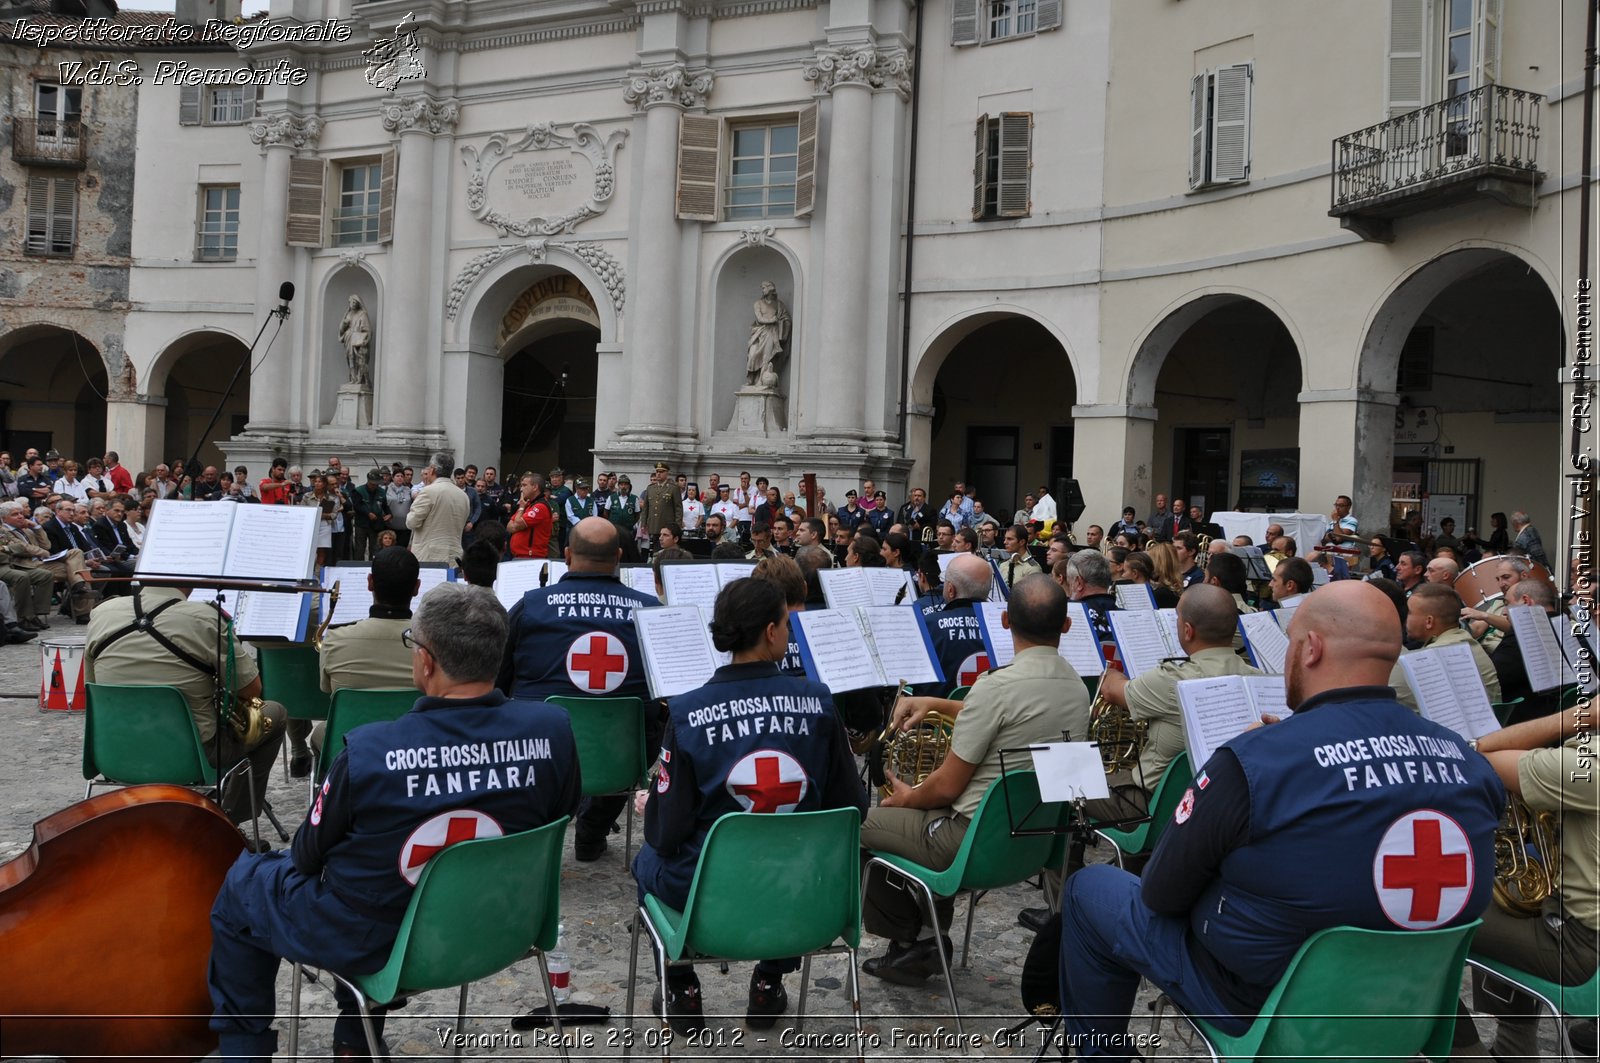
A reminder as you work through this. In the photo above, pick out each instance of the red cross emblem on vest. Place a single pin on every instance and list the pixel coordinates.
(768, 780)
(1423, 870)
(971, 668)
(439, 833)
(597, 662)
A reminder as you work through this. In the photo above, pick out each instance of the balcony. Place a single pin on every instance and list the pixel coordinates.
(1480, 144)
(48, 142)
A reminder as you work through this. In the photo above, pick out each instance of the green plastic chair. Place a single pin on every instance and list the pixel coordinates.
(1353, 994)
(1163, 803)
(146, 734)
(612, 756)
(292, 676)
(959, 693)
(479, 907)
(806, 869)
(1503, 709)
(1574, 1001)
(351, 709)
(989, 857)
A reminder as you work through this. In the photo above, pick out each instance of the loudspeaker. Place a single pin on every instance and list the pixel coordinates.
(1069, 500)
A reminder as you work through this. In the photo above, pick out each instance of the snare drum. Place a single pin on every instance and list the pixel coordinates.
(61, 673)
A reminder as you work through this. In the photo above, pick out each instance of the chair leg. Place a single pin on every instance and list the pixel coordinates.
(255, 810)
(1047, 1038)
(627, 838)
(966, 939)
(805, 984)
(555, 1012)
(944, 962)
(633, 978)
(855, 1008)
(295, 974)
(374, 1042)
(1155, 1024)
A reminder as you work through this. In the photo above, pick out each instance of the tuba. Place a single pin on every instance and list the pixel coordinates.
(912, 754)
(1527, 859)
(1119, 735)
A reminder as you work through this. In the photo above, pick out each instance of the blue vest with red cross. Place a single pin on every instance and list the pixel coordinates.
(577, 639)
(1362, 813)
(958, 646)
(447, 771)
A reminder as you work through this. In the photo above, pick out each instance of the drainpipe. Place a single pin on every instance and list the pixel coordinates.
(1584, 369)
(911, 216)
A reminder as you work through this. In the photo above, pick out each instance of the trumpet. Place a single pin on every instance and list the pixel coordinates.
(1523, 881)
(322, 628)
(913, 754)
(1119, 735)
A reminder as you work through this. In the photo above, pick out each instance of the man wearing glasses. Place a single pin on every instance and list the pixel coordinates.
(391, 800)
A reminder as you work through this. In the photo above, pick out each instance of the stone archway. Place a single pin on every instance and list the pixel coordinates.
(55, 385)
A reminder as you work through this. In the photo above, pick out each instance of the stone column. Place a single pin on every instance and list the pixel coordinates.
(1347, 448)
(271, 385)
(400, 355)
(1122, 440)
(662, 92)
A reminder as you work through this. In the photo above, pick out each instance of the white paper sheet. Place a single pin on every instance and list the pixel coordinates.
(838, 651)
(899, 640)
(641, 578)
(271, 542)
(265, 615)
(1214, 710)
(1446, 699)
(1079, 645)
(1268, 643)
(1070, 770)
(728, 571)
(1284, 616)
(888, 584)
(1140, 640)
(355, 600)
(513, 579)
(845, 588)
(186, 538)
(690, 584)
(1536, 641)
(1136, 596)
(678, 655)
(1581, 668)
(997, 636)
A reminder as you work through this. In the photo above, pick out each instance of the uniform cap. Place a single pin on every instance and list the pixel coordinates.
(661, 466)
(581, 482)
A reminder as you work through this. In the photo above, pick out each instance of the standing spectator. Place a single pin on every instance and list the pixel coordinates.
(532, 523)
(371, 516)
(438, 513)
(463, 479)
(275, 490)
(121, 479)
(914, 514)
(624, 509)
(694, 511)
(398, 498)
(955, 511)
(1527, 538)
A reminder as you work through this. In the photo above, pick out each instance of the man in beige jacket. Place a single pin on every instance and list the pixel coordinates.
(438, 514)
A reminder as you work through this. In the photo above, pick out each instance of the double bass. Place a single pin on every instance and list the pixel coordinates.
(105, 927)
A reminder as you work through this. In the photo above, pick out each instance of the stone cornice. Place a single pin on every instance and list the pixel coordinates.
(419, 114)
(862, 65)
(668, 83)
(285, 130)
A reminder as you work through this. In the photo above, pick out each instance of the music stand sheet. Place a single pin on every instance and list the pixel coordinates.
(888, 584)
(186, 538)
(901, 643)
(641, 578)
(1541, 651)
(1268, 645)
(1284, 616)
(1135, 596)
(1139, 639)
(513, 579)
(1449, 690)
(845, 588)
(1079, 645)
(271, 542)
(996, 636)
(1070, 770)
(355, 600)
(1581, 670)
(728, 571)
(677, 649)
(1219, 708)
(687, 583)
(835, 651)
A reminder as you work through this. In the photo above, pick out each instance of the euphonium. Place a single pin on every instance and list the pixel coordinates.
(1120, 736)
(912, 754)
(1524, 879)
(322, 628)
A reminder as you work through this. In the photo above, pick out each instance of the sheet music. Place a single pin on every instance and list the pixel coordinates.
(1536, 641)
(690, 584)
(1580, 668)
(901, 644)
(944, 562)
(1070, 770)
(1169, 632)
(845, 588)
(272, 542)
(728, 571)
(1269, 695)
(513, 579)
(1439, 699)
(1269, 646)
(265, 615)
(886, 583)
(1461, 669)
(641, 578)
(1079, 646)
(996, 637)
(355, 600)
(186, 538)
(1284, 616)
(1134, 596)
(1214, 711)
(230, 598)
(834, 650)
(998, 591)
(675, 642)
(1139, 638)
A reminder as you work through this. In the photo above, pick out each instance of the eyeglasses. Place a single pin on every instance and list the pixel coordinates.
(411, 643)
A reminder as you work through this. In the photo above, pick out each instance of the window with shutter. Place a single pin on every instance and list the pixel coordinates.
(763, 170)
(1049, 15)
(1198, 142)
(52, 215)
(980, 169)
(964, 22)
(1016, 165)
(1487, 31)
(699, 164)
(805, 177)
(307, 186)
(1406, 18)
(217, 235)
(356, 218)
(189, 105)
(386, 171)
(1230, 127)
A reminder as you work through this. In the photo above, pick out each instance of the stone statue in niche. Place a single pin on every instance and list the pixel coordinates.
(768, 334)
(355, 332)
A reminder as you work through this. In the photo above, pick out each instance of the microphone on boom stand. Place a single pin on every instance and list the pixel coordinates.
(281, 312)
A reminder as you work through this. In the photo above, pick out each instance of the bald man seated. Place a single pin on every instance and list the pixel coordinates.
(1228, 897)
(1433, 619)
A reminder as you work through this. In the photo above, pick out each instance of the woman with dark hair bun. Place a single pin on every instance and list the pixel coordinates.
(750, 740)
(900, 552)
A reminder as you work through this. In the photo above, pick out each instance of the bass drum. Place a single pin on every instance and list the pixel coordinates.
(1477, 585)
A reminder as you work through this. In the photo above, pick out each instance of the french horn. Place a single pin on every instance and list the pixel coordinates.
(1119, 735)
(912, 754)
(1527, 858)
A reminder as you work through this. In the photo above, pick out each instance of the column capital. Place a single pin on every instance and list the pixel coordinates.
(285, 130)
(671, 84)
(861, 65)
(419, 114)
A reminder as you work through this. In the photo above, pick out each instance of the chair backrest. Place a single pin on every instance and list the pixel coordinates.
(477, 909)
(989, 856)
(804, 866)
(1504, 709)
(351, 709)
(959, 693)
(139, 734)
(1169, 791)
(1367, 994)
(611, 743)
(292, 676)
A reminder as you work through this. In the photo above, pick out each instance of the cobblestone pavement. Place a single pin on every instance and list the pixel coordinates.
(42, 775)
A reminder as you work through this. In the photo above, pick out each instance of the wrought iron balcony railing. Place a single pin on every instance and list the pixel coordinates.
(1482, 142)
(48, 142)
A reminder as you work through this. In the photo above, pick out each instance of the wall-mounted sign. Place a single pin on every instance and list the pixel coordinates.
(1416, 424)
(562, 296)
(542, 181)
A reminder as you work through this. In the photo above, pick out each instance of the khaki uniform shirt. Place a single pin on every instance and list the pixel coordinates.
(661, 505)
(1031, 700)
(1563, 780)
(366, 655)
(1153, 697)
(137, 659)
(437, 519)
(1014, 568)
(1486, 672)
(1491, 638)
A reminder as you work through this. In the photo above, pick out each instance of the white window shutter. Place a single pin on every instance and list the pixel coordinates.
(1016, 164)
(1407, 34)
(805, 169)
(964, 22)
(699, 167)
(189, 105)
(307, 185)
(980, 168)
(38, 214)
(1197, 131)
(1047, 15)
(64, 215)
(1486, 39)
(1230, 124)
(386, 197)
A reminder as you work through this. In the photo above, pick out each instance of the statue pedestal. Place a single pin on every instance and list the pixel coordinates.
(354, 408)
(757, 411)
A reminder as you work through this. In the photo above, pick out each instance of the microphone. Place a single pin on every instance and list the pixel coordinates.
(285, 297)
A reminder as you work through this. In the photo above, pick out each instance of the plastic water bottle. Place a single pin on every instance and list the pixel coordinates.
(560, 966)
